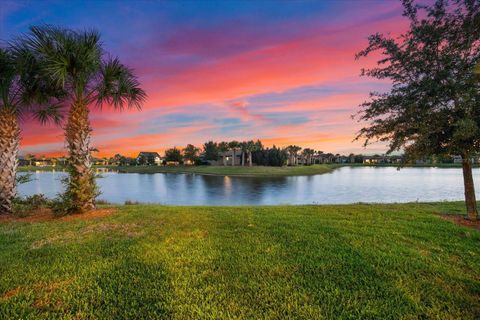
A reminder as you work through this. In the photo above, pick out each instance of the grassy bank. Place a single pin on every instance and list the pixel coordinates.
(260, 171)
(311, 262)
(35, 168)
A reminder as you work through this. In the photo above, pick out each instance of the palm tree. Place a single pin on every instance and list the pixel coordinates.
(223, 148)
(244, 148)
(233, 145)
(293, 152)
(320, 156)
(30, 157)
(22, 91)
(76, 61)
(251, 147)
(307, 156)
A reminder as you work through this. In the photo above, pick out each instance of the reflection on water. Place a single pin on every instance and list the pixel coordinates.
(345, 185)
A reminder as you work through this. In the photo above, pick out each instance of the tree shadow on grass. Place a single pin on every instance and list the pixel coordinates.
(131, 289)
(282, 273)
(99, 277)
(312, 269)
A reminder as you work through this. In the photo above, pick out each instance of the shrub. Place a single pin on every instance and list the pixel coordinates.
(63, 205)
(130, 203)
(23, 206)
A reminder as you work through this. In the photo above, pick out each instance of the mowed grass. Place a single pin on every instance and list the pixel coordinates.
(286, 262)
(255, 171)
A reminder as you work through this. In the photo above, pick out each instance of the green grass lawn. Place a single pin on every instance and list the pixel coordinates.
(311, 262)
(260, 171)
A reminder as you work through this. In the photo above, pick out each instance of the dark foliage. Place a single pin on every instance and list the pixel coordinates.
(274, 156)
(210, 151)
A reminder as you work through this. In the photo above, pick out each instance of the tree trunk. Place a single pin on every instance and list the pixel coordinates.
(233, 157)
(81, 188)
(243, 159)
(249, 158)
(9, 143)
(470, 199)
(224, 160)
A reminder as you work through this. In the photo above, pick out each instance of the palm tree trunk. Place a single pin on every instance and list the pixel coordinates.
(9, 143)
(81, 188)
(233, 158)
(243, 159)
(470, 199)
(250, 158)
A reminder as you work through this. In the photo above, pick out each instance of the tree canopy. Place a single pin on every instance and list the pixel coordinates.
(432, 107)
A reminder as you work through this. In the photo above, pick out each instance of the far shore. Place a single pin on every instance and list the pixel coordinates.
(255, 171)
(244, 171)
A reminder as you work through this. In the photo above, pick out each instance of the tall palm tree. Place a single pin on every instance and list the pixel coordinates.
(244, 148)
(23, 93)
(293, 152)
(76, 61)
(223, 148)
(233, 145)
(307, 156)
(30, 157)
(251, 147)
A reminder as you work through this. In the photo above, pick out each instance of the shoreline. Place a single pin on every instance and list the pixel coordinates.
(239, 171)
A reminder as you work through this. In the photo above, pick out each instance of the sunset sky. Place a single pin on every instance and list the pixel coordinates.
(283, 72)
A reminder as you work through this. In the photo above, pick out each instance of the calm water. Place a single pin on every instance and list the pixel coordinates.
(345, 185)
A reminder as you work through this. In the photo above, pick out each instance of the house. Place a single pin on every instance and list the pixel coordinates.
(228, 158)
(342, 159)
(457, 159)
(101, 161)
(423, 161)
(22, 161)
(43, 162)
(395, 159)
(376, 159)
(149, 158)
(323, 158)
(62, 161)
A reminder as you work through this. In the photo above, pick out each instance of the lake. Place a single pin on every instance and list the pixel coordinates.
(344, 185)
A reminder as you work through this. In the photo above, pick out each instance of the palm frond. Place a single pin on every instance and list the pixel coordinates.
(52, 113)
(118, 86)
(7, 78)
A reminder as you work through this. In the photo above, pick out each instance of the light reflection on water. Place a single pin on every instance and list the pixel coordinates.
(344, 185)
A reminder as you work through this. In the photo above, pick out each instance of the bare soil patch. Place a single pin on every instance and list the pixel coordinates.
(42, 215)
(460, 220)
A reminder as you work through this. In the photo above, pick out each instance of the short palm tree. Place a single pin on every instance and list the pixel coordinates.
(76, 61)
(23, 93)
